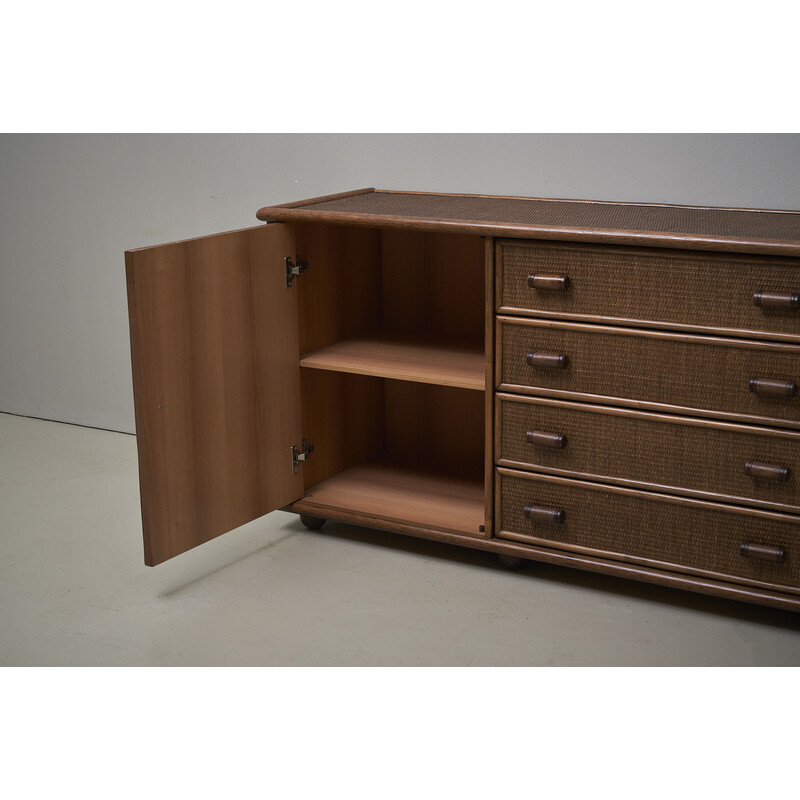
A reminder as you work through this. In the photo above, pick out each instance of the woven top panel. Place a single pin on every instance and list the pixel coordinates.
(516, 216)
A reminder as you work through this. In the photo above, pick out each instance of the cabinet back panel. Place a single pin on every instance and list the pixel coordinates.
(339, 294)
(433, 283)
(437, 424)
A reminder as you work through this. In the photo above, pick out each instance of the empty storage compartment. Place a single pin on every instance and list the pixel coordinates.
(393, 451)
(393, 378)
(392, 303)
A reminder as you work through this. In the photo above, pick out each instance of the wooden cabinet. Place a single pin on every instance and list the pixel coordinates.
(607, 386)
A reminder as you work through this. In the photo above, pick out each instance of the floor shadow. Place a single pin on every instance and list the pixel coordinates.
(563, 576)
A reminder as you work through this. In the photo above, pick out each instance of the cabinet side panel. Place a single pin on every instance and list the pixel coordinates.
(216, 384)
(489, 408)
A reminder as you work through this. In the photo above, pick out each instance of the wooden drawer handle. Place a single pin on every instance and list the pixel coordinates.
(768, 472)
(772, 387)
(762, 552)
(548, 281)
(538, 514)
(545, 439)
(777, 301)
(547, 360)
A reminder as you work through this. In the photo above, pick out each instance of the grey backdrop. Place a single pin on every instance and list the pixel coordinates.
(70, 204)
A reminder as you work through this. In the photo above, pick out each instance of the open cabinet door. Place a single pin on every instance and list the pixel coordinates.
(216, 380)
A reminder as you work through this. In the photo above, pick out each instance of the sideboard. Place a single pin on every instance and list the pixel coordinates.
(600, 385)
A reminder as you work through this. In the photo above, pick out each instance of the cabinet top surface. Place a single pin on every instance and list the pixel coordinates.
(649, 224)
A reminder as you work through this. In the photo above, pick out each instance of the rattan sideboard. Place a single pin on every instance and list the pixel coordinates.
(606, 386)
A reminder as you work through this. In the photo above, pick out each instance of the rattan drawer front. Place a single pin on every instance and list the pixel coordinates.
(647, 528)
(636, 448)
(659, 288)
(703, 375)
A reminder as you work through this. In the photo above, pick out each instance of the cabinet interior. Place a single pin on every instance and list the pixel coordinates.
(393, 375)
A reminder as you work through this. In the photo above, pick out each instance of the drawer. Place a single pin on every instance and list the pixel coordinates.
(734, 379)
(729, 461)
(682, 290)
(656, 530)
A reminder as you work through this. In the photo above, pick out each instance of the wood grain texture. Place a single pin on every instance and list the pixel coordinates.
(407, 357)
(339, 294)
(407, 493)
(216, 384)
(438, 424)
(433, 283)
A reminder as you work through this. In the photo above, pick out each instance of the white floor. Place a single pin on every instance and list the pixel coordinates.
(74, 590)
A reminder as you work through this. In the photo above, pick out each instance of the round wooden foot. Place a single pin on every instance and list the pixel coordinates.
(314, 523)
(510, 562)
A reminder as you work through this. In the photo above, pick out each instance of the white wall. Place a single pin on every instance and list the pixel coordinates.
(70, 204)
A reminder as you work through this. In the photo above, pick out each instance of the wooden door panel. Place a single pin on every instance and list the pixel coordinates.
(214, 343)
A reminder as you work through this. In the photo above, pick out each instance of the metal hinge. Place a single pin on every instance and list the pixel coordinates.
(300, 454)
(293, 270)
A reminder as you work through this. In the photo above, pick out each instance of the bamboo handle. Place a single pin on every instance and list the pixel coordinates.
(778, 301)
(560, 282)
(547, 360)
(768, 472)
(773, 388)
(545, 439)
(762, 552)
(539, 514)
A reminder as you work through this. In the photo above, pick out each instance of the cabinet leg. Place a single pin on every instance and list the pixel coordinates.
(510, 562)
(314, 523)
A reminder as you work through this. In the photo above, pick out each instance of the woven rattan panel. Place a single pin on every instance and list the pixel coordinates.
(648, 450)
(570, 214)
(643, 526)
(619, 363)
(655, 285)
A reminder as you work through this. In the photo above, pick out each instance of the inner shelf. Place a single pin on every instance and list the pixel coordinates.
(406, 356)
(396, 490)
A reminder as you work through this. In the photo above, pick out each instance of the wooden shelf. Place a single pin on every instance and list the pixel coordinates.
(378, 492)
(406, 357)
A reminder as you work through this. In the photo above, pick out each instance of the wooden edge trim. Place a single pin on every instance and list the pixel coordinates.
(471, 384)
(675, 419)
(667, 566)
(645, 252)
(672, 580)
(307, 506)
(591, 202)
(619, 330)
(489, 403)
(194, 239)
(777, 516)
(141, 446)
(264, 213)
(788, 338)
(642, 238)
(623, 402)
(679, 491)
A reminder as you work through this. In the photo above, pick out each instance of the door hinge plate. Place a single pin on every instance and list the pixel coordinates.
(300, 454)
(293, 270)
